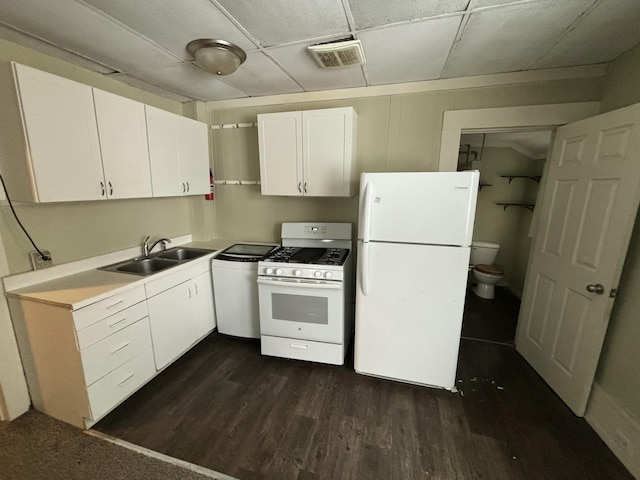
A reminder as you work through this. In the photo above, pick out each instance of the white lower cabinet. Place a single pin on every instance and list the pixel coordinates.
(202, 304)
(172, 328)
(180, 311)
(80, 364)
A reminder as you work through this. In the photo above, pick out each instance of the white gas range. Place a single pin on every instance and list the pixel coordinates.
(306, 293)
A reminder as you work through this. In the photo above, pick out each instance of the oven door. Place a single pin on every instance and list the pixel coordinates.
(302, 309)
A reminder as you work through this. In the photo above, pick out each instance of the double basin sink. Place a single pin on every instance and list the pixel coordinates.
(156, 262)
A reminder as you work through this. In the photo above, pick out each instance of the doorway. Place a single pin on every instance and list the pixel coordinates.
(510, 165)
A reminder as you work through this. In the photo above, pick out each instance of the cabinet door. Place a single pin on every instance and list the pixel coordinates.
(280, 146)
(62, 134)
(202, 304)
(193, 155)
(172, 328)
(122, 128)
(163, 152)
(327, 152)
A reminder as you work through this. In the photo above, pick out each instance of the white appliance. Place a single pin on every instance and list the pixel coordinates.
(235, 290)
(414, 242)
(305, 291)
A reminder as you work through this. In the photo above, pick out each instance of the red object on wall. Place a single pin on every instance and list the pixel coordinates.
(210, 196)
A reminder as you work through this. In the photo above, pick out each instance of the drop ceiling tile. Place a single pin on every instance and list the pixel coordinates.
(148, 87)
(274, 22)
(259, 75)
(609, 30)
(367, 13)
(409, 52)
(77, 28)
(296, 60)
(510, 38)
(189, 81)
(174, 24)
(473, 4)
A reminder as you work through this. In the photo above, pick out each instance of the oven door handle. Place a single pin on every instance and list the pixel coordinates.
(300, 284)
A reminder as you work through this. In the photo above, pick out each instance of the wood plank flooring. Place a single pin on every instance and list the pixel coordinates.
(226, 407)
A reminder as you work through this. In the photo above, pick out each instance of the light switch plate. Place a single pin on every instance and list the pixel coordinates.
(38, 262)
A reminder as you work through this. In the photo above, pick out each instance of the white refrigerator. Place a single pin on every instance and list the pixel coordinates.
(414, 240)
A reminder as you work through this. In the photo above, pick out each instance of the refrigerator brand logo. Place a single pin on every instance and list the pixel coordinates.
(461, 188)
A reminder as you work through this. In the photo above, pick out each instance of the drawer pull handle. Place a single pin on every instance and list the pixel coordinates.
(115, 304)
(120, 349)
(126, 379)
(300, 346)
(124, 319)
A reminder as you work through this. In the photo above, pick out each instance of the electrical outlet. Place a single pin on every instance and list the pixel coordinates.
(38, 262)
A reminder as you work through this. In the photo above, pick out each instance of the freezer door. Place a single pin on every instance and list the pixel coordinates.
(409, 306)
(436, 208)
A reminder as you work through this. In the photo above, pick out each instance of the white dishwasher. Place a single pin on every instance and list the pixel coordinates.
(235, 288)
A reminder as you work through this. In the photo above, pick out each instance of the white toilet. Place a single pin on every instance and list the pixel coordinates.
(483, 254)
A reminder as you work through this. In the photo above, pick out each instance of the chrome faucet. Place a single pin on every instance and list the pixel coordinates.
(146, 249)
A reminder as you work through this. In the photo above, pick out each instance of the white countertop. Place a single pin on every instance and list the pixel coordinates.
(85, 286)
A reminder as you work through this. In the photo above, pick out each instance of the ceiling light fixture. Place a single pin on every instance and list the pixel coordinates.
(216, 56)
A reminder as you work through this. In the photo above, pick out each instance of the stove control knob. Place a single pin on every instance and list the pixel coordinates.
(278, 271)
(268, 271)
(328, 275)
(317, 274)
(297, 273)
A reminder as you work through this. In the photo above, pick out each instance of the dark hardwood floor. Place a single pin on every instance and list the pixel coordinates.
(225, 407)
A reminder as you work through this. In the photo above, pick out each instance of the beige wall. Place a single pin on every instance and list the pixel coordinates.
(509, 227)
(618, 368)
(395, 133)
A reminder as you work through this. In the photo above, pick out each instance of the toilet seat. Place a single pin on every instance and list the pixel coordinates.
(488, 269)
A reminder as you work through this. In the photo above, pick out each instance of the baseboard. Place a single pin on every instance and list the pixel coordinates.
(617, 429)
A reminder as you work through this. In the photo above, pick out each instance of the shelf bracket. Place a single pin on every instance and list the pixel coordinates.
(504, 205)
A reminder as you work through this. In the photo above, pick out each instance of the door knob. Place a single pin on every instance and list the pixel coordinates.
(595, 288)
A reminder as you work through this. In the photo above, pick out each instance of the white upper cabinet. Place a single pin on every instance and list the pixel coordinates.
(193, 155)
(308, 153)
(49, 148)
(122, 129)
(179, 154)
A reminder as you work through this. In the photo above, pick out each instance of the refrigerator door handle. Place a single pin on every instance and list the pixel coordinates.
(364, 269)
(366, 211)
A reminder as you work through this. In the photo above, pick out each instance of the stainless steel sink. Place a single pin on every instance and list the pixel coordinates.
(182, 254)
(157, 262)
(145, 266)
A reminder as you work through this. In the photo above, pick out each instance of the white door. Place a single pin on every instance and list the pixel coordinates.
(587, 212)
(409, 305)
(60, 121)
(280, 147)
(201, 304)
(172, 329)
(326, 148)
(122, 128)
(163, 152)
(193, 155)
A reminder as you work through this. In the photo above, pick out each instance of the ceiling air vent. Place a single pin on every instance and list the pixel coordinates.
(338, 54)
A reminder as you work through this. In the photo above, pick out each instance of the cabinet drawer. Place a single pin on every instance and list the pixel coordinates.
(107, 326)
(111, 389)
(97, 311)
(302, 350)
(111, 352)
